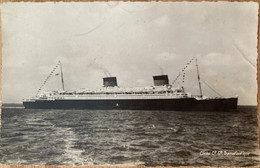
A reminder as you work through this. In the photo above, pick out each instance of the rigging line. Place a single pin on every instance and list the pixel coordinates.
(211, 88)
(45, 81)
(183, 70)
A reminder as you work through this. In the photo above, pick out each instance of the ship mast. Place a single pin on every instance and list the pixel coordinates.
(62, 81)
(198, 77)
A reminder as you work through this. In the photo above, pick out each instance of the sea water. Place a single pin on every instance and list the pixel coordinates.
(126, 137)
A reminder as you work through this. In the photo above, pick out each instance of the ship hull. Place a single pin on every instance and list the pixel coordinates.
(182, 104)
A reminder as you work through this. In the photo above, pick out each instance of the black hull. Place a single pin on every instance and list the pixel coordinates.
(187, 104)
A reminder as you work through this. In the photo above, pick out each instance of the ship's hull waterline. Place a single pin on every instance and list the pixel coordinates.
(181, 104)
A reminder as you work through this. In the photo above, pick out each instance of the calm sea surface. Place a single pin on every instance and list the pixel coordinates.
(114, 137)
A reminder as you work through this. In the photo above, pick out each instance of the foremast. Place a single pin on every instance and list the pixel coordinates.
(198, 77)
(61, 74)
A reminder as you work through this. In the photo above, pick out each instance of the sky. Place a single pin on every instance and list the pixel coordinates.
(132, 41)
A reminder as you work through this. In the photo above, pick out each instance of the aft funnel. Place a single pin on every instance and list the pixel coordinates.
(109, 82)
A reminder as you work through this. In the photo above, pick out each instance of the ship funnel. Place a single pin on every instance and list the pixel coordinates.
(161, 80)
(109, 82)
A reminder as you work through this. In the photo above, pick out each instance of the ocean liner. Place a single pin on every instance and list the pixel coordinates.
(160, 96)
